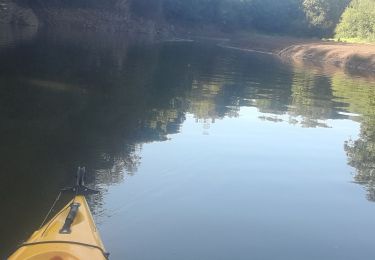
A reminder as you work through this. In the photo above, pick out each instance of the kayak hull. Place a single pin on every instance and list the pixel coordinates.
(82, 242)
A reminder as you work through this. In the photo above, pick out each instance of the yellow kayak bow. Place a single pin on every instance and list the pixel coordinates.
(70, 235)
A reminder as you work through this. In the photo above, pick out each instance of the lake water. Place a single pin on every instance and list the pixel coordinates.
(200, 152)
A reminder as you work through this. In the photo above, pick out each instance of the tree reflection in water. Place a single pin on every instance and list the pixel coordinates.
(360, 97)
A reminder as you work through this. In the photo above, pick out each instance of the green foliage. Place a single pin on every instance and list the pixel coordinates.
(296, 17)
(220, 12)
(273, 16)
(323, 15)
(235, 13)
(358, 21)
(191, 11)
(277, 16)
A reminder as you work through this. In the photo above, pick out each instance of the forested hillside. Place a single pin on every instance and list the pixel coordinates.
(298, 17)
(317, 18)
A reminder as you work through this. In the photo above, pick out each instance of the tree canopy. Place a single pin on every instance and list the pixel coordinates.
(323, 15)
(358, 21)
(347, 19)
(301, 17)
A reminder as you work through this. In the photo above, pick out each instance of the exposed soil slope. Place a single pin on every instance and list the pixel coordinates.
(360, 57)
(348, 56)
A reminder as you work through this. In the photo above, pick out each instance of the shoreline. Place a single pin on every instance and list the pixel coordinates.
(351, 57)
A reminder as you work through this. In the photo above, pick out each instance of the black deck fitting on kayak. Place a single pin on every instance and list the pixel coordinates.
(79, 188)
(70, 218)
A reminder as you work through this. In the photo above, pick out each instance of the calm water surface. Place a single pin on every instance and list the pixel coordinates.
(200, 152)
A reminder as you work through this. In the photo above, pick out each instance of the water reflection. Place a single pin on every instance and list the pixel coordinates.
(96, 102)
(13, 35)
(360, 100)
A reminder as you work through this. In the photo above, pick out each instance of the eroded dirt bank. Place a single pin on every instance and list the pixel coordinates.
(351, 57)
(347, 56)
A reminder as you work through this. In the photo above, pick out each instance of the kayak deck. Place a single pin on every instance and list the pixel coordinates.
(80, 241)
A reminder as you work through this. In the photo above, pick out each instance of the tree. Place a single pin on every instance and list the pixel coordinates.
(323, 15)
(358, 21)
(277, 16)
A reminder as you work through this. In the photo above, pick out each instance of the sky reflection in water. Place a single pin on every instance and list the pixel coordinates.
(231, 195)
